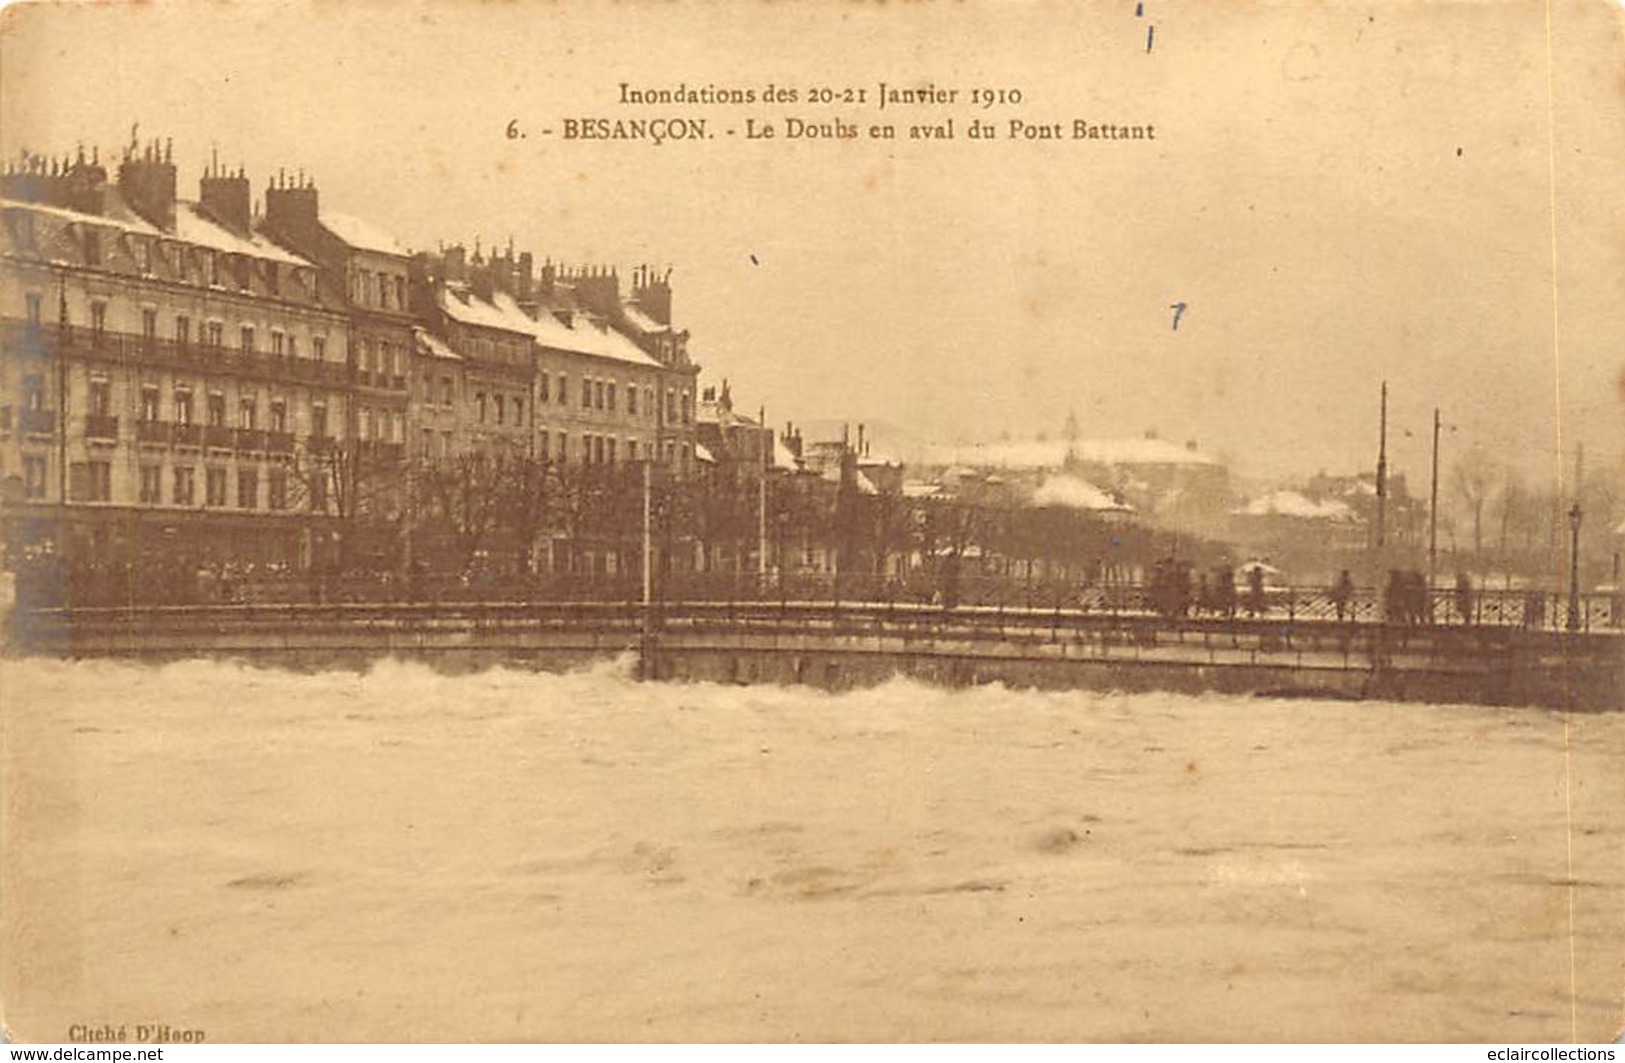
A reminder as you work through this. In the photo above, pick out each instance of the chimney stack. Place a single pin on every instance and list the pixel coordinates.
(146, 180)
(226, 199)
(455, 266)
(292, 211)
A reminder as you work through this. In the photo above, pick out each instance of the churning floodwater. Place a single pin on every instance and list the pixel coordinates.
(405, 855)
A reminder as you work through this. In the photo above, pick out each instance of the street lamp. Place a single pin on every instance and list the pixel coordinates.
(1574, 567)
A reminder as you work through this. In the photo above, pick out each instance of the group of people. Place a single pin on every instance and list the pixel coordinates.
(1176, 590)
(1408, 600)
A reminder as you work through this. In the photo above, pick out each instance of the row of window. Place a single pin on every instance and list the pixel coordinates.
(556, 446)
(381, 425)
(595, 395)
(216, 488)
(386, 291)
(183, 410)
(92, 481)
(501, 408)
(382, 357)
(210, 334)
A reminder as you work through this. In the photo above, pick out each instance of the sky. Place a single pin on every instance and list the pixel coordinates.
(1338, 193)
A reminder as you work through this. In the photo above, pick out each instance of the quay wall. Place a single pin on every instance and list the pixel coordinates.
(841, 648)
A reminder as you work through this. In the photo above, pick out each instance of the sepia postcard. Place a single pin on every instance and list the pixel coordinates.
(709, 521)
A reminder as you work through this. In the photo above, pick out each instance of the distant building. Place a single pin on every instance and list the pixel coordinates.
(1171, 484)
(551, 368)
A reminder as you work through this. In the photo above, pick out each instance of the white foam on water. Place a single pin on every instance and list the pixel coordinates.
(584, 856)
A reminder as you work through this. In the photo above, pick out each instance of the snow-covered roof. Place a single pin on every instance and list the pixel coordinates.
(464, 306)
(640, 320)
(919, 489)
(703, 453)
(192, 227)
(1052, 454)
(361, 234)
(131, 223)
(1074, 493)
(435, 347)
(586, 337)
(1292, 504)
(783, 456)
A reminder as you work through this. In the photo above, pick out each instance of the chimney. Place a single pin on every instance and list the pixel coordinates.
(224, 197)
(653, 294)
(527, 278)
(291, 211)
(599, 290)
(84, 189)
(480, 280)
(146, 180)
(455, 264)
(502, 272)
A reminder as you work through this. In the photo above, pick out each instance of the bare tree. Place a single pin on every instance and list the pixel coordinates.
(1474, 476)
(356, 486)
(465, 494)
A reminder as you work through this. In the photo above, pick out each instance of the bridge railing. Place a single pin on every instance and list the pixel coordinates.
(1533, 610)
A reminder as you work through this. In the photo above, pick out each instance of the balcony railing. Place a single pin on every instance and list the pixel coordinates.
(101, 426)
(38, 421)
(152, 432)
(219, 436)
(279, 442)
(187, 435)
(250, 439)
(46, 340)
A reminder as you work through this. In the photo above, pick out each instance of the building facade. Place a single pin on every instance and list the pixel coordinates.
(163, 367)
(198, 382)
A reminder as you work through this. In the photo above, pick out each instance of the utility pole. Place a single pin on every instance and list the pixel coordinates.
(765, 441)
(64, 331)
(1574, 537)
(648, 545)
(1574, 567)
(646, 662)
(1382, 472)
(1433, 508)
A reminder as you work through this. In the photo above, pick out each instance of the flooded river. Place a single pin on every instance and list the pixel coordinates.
(402, 855)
